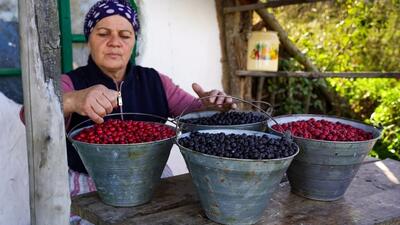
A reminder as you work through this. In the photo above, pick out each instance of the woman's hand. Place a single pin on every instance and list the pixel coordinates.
(95, 102)
(220, 101)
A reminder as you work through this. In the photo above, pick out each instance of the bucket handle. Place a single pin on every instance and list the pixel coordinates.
(270, 108)
(116, 114)
(286, 134)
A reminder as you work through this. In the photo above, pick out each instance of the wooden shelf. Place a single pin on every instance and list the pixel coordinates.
(269, 4)
(244, 73)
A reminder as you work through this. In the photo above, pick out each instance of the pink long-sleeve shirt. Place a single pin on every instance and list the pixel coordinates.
(178, 99)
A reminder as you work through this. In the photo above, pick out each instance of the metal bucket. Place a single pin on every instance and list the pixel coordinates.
(187, 127)
(205, 111)
(234, 191)
(124, 174)
(323, 170)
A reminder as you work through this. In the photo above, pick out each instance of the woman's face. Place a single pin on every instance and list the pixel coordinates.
(111, 43)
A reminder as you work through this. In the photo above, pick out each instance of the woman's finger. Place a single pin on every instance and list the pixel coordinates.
(220, 99)
(199, 90)
(105, 103)
(212, 95)
(112, 96)
(93, 116)
(228, 100)
(98, 109)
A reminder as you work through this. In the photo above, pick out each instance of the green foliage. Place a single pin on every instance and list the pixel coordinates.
(347, 36)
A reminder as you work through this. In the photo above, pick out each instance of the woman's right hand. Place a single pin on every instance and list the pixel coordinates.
(95, 102)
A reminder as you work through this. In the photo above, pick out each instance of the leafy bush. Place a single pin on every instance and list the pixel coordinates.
(347, 36)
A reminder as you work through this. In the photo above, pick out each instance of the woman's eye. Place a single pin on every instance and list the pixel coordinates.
(102, 34)
(125, 37)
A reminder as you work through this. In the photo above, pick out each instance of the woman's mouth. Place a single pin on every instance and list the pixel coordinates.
(113, 55)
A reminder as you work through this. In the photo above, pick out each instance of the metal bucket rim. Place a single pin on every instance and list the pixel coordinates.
(330, 116)
(234, 159)
(72, 133)
(236, 125)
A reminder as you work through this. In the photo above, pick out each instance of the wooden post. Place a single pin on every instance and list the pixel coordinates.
(234, 28)
(47, 160)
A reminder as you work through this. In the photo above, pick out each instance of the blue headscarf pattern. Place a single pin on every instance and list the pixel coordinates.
(105, 8)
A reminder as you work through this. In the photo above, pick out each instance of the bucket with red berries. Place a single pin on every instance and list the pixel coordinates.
(246, 116)
(125, 155)
(331, 152)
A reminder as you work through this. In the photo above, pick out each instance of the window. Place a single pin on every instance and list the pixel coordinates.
(9, 38)
(72, 15)
(10, 82)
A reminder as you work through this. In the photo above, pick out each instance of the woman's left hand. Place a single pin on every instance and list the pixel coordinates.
(221, 100)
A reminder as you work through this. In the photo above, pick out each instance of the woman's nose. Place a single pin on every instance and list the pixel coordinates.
(114, 41)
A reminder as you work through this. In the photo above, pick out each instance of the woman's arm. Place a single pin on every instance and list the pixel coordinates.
(178, 99)
(94, 102)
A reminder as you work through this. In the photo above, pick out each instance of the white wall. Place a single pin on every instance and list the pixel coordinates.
(180, 38)
(14, 187)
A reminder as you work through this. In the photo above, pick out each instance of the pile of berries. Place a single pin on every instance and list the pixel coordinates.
(324, 130)
(227, 118)
(115, 131)
(240, 146)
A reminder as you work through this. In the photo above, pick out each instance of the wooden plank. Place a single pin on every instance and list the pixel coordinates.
(172, 193)
(370, 159)
(191, 214)
(269, 4)
(372, 198)
(302, 74)
(47, 159)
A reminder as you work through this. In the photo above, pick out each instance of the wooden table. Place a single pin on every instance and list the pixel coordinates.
(372, 198)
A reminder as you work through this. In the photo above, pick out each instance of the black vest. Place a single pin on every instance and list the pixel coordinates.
(142, 92)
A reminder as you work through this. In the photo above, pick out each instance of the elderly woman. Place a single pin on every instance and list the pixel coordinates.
(110, 83)
(110, 79)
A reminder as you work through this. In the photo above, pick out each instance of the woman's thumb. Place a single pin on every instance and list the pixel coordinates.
(198, 89)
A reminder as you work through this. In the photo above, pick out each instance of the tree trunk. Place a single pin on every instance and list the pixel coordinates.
(47, 160)
(270, 21)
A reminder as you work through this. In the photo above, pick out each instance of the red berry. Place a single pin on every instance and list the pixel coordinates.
(116, 131)
(324, 130)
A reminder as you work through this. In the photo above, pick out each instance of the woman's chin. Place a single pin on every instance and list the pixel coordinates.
(114, 66)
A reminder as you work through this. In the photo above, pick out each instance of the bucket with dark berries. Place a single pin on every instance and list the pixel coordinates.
(235, 171)
(331, 152)
(125, 155)
(246, 116)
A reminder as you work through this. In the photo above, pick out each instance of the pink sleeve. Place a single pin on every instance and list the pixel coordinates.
(66, 84)
(177, 98)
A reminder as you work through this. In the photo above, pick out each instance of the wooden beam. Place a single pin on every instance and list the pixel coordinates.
(40, 66)
(269, 4)
(222, 38)
(243, 73)
(233, 31)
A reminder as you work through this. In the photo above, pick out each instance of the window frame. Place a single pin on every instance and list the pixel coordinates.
(67, 39)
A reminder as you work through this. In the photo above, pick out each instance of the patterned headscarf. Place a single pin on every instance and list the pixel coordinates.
(105, 8)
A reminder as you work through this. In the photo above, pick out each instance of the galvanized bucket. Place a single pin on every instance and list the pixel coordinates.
(124, 174)
(234, 191)
(206, 112)
(187, 127)
(323, 170)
